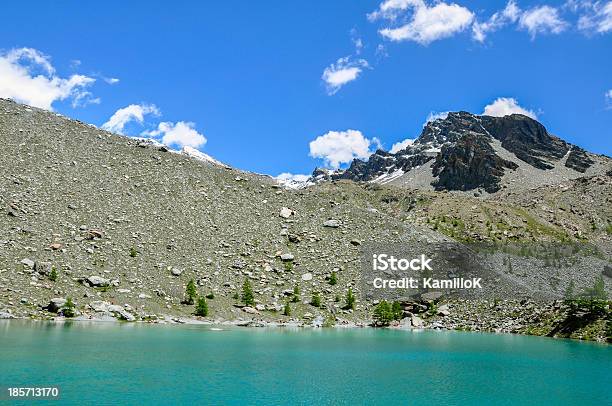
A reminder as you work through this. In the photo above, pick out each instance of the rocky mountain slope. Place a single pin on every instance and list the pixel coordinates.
(125, 224)
(483, 154)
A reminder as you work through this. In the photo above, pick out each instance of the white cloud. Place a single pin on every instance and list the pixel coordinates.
(436, 115)
(342, 72)
(111, 81)
(510, 14)
(598, 19)
(398, 146)
(27, 76)
(358, 45)
(290, 177)
(357, 41)
(542, 20)
(83, 98)
(427, 24)
(608, 97)
(391, 9)
(133, 112)
(503, 106)
(182, 134)
(338, 147)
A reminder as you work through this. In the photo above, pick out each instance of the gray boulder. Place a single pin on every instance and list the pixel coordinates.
(443, 311)
(97, 281)
(125, 315)
(6, 315)
(56, 304)
(332, 223)
(287, 257)
(318, 321)
(405, 323)
(99, 306)
(250, 310)
(286, 212)
(417, 322)
(43, 268)
(117, 311)
(431, 296)
(28, 262)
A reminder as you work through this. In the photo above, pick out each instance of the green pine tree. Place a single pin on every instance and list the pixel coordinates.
(68, 309)
(287, 309)
(191, 292)
(383, 313)
(316, 299)
(396, 308)
(247, 294)
(133, 252)
(296, 294)
(350, 300)
(53, 274)
(202, 307)
(333, 278)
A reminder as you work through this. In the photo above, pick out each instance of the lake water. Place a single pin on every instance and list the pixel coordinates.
(110, 363)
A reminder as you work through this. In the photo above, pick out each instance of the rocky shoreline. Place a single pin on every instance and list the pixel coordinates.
(502, 317)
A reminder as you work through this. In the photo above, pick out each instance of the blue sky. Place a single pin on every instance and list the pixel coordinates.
(249, 77)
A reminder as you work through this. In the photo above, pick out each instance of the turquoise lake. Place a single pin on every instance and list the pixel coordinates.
(111, 363)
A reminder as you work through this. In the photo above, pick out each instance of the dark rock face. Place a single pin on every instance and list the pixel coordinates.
(578, 160)
(527, 139)
(380, 163)
(408, 162)
(366, 170)
(449, 129)
(465, 158)
(468, 164)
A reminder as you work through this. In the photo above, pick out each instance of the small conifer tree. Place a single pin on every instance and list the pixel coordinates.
(68, 309)
(287, 309)
(333, 278)
(316, 299)
(202, 307)
(247, 294)
(396, 308)
(350, 299)
(383, 313)
(191, 292)
(296, 294)
(53, 274)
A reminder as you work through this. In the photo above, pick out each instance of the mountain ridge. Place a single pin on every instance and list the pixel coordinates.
(468, 152)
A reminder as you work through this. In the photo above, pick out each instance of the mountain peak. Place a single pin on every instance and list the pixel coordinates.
(464, 151)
